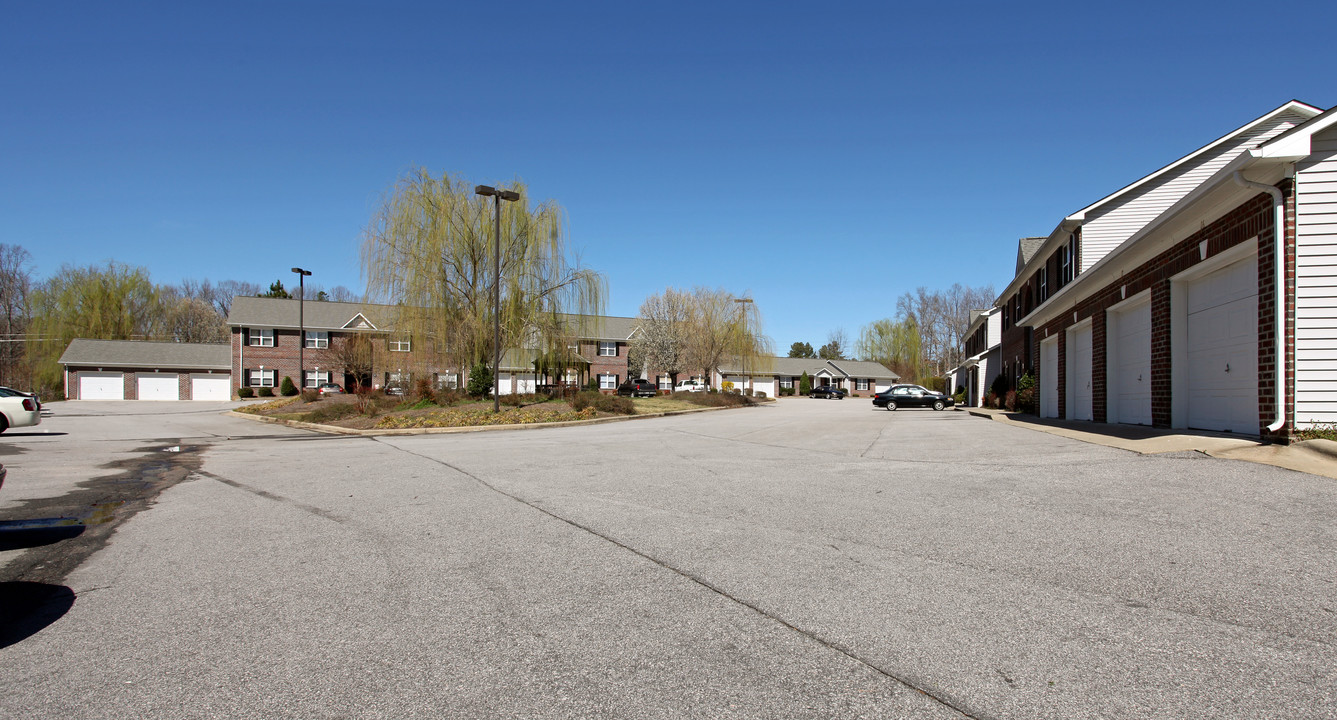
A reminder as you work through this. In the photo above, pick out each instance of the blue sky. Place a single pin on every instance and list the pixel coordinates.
(824, 159)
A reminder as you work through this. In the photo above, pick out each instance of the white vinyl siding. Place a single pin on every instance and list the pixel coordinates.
(1108, 226)
(1316, 285)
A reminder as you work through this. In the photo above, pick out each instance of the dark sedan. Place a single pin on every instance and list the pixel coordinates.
(907, 396)
(827, 391)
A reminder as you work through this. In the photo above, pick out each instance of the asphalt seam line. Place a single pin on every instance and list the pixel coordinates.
(711, 587)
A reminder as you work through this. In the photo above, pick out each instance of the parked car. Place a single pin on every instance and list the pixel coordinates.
(19, 411)
(904, 396)
(329, 388)
(827, 391)
(690, 386)
(11, 392)
(638, 387)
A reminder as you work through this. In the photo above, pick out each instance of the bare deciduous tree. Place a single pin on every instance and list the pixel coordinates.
(15, 315)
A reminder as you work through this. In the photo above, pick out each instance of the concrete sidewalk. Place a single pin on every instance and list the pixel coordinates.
(1316, 457)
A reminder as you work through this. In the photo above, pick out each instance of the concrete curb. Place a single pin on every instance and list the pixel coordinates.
(336, 430)
(1316, 457)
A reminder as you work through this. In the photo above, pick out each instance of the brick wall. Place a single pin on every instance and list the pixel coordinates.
(1245, 222)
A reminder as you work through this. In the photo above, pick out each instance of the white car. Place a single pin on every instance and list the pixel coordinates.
(19, 411)
(690, 386)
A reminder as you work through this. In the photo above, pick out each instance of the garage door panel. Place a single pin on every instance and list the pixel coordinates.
(158, 387)
(101, 386)
(1222, 353)
(1130, 386)
(210, 387)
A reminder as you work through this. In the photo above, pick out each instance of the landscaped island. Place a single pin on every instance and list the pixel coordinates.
(445, 409)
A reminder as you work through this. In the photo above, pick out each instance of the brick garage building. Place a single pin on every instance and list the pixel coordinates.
(133, 370)
(1199, 318)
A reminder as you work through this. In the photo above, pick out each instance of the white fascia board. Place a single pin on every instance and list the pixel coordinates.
(1298, 142)
(1059, 235)
(1220, 193)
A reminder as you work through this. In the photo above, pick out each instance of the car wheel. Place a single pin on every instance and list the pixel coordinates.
(4, 423)
(937, 405)
(891, 404)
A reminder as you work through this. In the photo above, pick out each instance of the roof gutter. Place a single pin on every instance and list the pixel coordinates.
(1279, 293)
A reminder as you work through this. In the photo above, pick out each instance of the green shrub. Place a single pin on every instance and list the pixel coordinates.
(804, 384)
(265, 392)
(480, 381)
(286, 388)
(1324, 431)
(1000, 386)
(522, 399)
(1027, 399)
(936, 384)
(245, 393)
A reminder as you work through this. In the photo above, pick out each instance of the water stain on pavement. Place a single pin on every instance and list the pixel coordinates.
(60, 533)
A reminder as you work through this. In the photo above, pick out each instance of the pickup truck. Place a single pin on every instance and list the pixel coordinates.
(690, 386)
(638, 388)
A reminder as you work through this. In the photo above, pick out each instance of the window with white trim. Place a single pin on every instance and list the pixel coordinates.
(401, 345)
(607, 382)
(607, 349)
(317, 339)
(861, 384)
(665, 382)
(1044, 283)
(260, 378)
(260, 337)
(315, 379)
(786, 382)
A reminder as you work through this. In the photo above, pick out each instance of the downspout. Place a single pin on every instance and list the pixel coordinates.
(1279, 293)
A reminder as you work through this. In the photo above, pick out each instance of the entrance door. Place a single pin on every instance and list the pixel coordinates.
(1049, 377)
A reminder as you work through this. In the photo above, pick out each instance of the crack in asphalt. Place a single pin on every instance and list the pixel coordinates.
(955, 706)
(319, 512)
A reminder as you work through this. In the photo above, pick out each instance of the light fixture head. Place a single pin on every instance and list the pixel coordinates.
(486, 190)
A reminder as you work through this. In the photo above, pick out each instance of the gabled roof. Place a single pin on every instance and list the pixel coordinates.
(795, 367)
(328, 315)
(314, 315)
(143, 354)
(1298, 141)
(1027, 247)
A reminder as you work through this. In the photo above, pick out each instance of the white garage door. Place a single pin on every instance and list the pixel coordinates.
(525, 384)
(1049, 378)
(1222, 345)
(1128, 365)
(210, 387)
(1079, 373)
(157, 386)
(101, 386)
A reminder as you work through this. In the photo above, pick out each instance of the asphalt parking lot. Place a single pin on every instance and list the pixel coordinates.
(802, 559)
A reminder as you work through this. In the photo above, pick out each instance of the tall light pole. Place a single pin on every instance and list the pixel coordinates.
(301, 326)
(746, 378)
(497, 196)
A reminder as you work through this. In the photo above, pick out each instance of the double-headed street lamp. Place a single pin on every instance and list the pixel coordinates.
(497, 196)
(301, 325)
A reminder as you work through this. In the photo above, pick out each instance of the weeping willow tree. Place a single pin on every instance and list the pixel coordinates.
(429, 253)
(111, 302)
(746, 342)
(894, 343)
